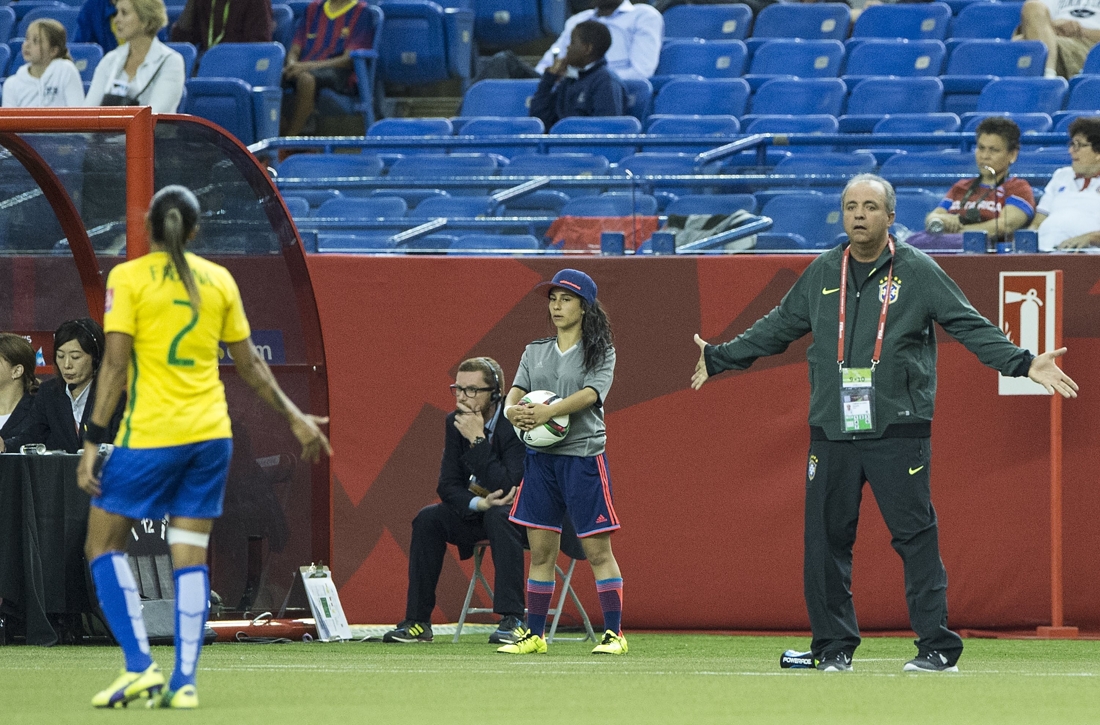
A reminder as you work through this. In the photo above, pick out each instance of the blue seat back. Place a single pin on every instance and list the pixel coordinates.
(914, 21)
(711, 204)
(796, 57)
(504, 23)
(500, 126)
(411, 127)
(800, 96)
(710, 22)
(1028, 122)
(378, 207)
(656, 163)
(896, 57)
(226, 102)
(452, 206)
(467, 243)
(23, 7)
(987, 20)
(1041, 163)
(788, 123)
(538, 203)
(323, 166)
(1023, 95)
(598, 206)
(414, 47)
(643, 204)
(1092, 62)
(709, 59)
(86, 56)
(298, 206)
(499, 97)
(443, 165)
(952, 163)
(354, 242)
(7, 23)
(684, 125)
(257, 64)
(558, 165)
(997, 57)
(639, 97)
(852, 163)
(283, 15)
(1085, 95)
(919, 123)
(64, 14)
(190, 54)
(813, 215)
(714, 96)
(1062, 125)
(896, 95)
(797, 20)
(598, 125)
(913, 205)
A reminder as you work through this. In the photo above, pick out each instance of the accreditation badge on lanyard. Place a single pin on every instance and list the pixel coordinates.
(857, 385)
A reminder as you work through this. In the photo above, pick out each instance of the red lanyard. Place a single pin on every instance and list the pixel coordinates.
(844, 303)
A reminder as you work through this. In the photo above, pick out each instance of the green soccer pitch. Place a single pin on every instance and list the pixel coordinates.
(664, 679)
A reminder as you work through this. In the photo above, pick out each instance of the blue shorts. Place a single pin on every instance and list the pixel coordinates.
(553, 485)
(147, 483)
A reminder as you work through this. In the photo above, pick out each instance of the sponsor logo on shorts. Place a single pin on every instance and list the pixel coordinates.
(601, 519)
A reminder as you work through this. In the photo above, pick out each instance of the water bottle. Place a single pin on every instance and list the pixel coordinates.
(935, 225)
(793, 660)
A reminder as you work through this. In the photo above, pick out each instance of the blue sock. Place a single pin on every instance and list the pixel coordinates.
(539, 595)
(192, 606)
(118, 598)
(611, 602)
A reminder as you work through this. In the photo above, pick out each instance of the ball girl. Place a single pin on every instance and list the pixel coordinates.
(571, 477)
(49, 77)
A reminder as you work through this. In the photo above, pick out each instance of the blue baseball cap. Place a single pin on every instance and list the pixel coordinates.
(574, 281)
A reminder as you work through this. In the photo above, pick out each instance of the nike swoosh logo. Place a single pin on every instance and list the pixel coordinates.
(915, 470)
(827, 291)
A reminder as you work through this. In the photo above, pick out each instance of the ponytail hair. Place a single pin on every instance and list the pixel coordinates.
(596, 337)
(17, 351)
(173, 218)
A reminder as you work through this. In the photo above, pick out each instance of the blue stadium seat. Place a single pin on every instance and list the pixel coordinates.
(411, 127)
(505, 23)
(795, 57)
(825, 21)
(474, 243)
(260, 66)
(498, 126)
(558, 165)
(1064, 119)
(656, 163)
(894, 57)
(432, 243)
(639, 97)
(1041, 163)
(86, 56)
(15, 56)
(921, 21)
(1023, 95)
(298, 206)
(23, 7)
(598, 125)
(365, 65)
(605, 205)
(974, 63)
(850, 163)
(714, 96)
(987, 20)
(379, 207)
(190, 55)
(5, 61)
(283, 16)
(873, 98)
(788, 123)
(814, 216)
(452, 206)
(709, 22)
(354, 242)
(425, 43)
(7, 24)
(64, 14)
(781, 242)
(543, 202)
(499, 97)
(688, 204)
(954, 165)
(316, 197)
(1085, 95)
(800, 96)
(1092, 63)
(326, 166)
(706, 59)
(412, 196)
(1028, 122)
(232, 104)
(913, 205)
(432, 166)
(922, 123)
(723, 128)
(642, 204)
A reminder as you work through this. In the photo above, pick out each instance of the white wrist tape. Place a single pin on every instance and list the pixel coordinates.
(190, 538)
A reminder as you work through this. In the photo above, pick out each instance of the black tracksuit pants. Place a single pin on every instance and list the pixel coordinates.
(897, 470)
(438, 525)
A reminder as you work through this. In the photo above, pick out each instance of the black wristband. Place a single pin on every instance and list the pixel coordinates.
(96, 434)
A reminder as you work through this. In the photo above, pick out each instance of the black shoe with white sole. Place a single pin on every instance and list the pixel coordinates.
(836, 662)
(933, 661)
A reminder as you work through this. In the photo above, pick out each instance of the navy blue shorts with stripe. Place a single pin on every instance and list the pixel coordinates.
(553, 485)
(147, 483)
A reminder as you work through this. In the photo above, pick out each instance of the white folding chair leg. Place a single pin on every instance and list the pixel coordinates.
(567, 588)
(479, 554)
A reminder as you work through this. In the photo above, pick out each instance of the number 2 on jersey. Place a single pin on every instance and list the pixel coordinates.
(173, 358)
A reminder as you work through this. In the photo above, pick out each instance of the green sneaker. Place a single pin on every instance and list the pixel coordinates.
(129, 686)
(185, 698)
(611, 644)
(532, 644)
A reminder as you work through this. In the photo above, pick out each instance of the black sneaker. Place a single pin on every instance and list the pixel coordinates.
(933, 661)
(509, 631)
(836, 662)
(409, 631)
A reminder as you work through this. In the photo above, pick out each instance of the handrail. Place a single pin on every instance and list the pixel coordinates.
(419, 230)
(523, 189)
(759, 224)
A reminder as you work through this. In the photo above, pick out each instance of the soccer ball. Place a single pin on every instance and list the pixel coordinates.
(549, 433)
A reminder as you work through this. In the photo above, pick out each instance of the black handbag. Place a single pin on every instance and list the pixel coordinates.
(111, 99)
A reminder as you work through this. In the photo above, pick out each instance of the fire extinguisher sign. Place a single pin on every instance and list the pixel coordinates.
(1029, 307)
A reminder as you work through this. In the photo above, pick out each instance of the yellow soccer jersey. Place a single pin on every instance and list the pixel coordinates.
(175, 395)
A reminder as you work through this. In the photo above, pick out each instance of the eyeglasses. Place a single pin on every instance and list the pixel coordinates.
(1078, 145)
(470, 392)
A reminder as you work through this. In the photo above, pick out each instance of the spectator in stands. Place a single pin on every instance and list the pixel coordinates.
(63, 405)
(482, 466)
(207, 24)
(1068, 216)
(95, 24)
(142, 71)
(580, 84)
(320, 56)
(994, 202)
(1068, 28)
(49, 77)
(17, 386)
(637, 32)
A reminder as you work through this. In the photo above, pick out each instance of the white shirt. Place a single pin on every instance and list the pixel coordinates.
(637, 32)
(78, 403)
(60, 85)
(4, 419)
(163, 93)
(1085, 12)
(1071, 210)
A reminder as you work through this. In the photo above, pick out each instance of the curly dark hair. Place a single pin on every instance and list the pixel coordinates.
(596, 335)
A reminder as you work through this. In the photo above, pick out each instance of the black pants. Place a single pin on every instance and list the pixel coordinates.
(438, 525)
(897, 470)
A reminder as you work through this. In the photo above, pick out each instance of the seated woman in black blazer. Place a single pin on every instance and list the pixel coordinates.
(17, 385)
(70, 396)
